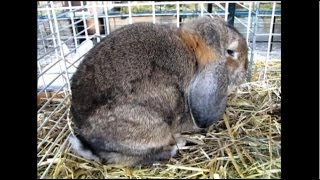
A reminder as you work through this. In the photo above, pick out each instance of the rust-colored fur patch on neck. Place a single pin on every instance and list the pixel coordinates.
(203, 52)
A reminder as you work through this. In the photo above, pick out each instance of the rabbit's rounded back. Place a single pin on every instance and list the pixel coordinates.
(115, 67)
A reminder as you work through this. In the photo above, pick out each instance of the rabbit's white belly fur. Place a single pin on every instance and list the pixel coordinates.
(78, 148)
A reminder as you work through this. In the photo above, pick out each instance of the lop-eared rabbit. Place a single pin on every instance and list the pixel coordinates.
(145, 84)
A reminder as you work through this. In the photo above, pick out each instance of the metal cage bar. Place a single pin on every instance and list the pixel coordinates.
(269, 42)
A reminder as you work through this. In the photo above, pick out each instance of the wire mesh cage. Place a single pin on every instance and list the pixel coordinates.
(67, 30)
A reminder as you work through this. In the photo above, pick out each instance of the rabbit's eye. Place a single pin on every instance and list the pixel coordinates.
(230, 52)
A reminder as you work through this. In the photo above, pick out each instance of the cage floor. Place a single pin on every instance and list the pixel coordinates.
(246, 143)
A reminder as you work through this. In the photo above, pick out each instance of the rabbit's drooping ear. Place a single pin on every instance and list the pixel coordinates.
(207, 96)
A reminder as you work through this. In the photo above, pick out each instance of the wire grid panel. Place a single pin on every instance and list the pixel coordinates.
(67, 30)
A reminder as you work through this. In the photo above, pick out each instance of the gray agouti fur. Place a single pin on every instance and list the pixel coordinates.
(144, 84)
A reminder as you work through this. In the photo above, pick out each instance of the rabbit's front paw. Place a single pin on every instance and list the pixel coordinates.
(180, 142)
